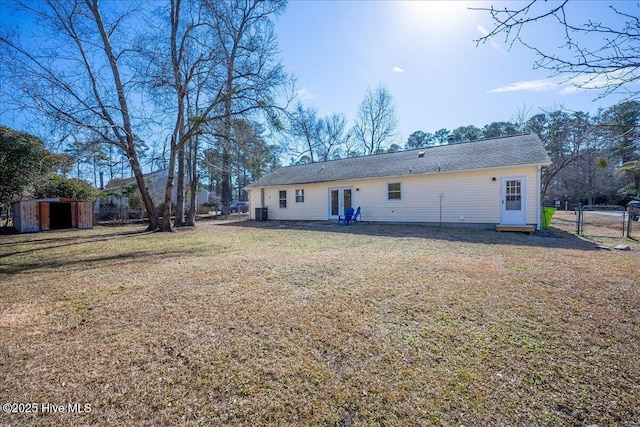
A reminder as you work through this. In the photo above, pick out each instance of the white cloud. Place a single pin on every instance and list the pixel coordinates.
(397, 70)
(304, 94)
(569, 89)
(562, 86)
(593, 81)
(494, 45)
(528, 86)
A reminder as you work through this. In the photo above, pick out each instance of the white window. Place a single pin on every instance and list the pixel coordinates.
(393, 190)
(300, 195)
(283, 199)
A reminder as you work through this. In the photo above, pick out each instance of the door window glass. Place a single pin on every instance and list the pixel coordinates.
(347, 198)
(335, 204)
(513, 197)
(283, 199)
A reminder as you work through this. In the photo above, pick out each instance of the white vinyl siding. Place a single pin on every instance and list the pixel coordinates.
(472, 195)
(314, 208)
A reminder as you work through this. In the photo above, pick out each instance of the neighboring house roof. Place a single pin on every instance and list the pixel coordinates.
(116, 184)
(53, 200)
(481, 154)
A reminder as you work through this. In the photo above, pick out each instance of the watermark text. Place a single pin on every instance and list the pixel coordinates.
(45, 408)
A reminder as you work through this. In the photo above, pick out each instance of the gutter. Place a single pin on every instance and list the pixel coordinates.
(258, 184)
(539, 204)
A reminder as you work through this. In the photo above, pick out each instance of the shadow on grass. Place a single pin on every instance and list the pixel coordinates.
(59, 239)
(92, 261)
(552, 238)
(7, 231)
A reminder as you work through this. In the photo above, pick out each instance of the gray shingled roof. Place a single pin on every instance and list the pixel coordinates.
(482, 154)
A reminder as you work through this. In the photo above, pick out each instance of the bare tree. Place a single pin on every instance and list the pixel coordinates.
(253, 77)
(351, 146)
(376, 122)
(566, 137)
(186, 60)
(304, 129)
(594, 55)
(331, 136)
(177, 81)
(79, 79)
(315, 139)
(192, 150)
(223, 66)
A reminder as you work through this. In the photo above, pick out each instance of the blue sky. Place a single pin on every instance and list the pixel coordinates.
(425, 54)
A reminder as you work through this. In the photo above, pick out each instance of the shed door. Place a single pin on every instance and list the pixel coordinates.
(85, 215)
(513, 200)
(74, 214)
(45, 217)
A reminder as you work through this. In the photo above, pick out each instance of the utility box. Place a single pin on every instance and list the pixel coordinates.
(262, 214)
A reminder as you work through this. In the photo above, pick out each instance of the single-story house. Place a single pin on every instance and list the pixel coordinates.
(485, 183)
(31, 216)
(117, 199)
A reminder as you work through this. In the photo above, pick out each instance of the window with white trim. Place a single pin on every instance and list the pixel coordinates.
(300, 195)
(283, 199)
(393, 191)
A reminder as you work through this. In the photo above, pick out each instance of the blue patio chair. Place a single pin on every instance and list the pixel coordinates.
(348, 215)
(355, 216)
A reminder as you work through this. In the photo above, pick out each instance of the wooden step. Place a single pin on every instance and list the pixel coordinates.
(520, 228)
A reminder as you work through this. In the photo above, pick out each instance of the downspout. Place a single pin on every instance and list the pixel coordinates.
(539, 204)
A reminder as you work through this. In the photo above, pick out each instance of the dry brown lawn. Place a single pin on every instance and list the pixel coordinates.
(316, 324)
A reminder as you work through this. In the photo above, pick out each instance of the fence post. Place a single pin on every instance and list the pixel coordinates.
(578, 220)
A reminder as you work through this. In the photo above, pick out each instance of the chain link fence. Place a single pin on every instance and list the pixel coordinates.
(633, 223)
(118, 214)
(602, 221)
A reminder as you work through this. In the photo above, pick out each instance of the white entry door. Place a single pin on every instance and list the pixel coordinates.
(513, 200)
(339, 200)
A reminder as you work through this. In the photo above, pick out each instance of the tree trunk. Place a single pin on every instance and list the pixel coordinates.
(180, 202)
(226, 179)
(166, 208)
(128, 138)
(194, 180)
(226, 143)
(154, 221)
(193, 205)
